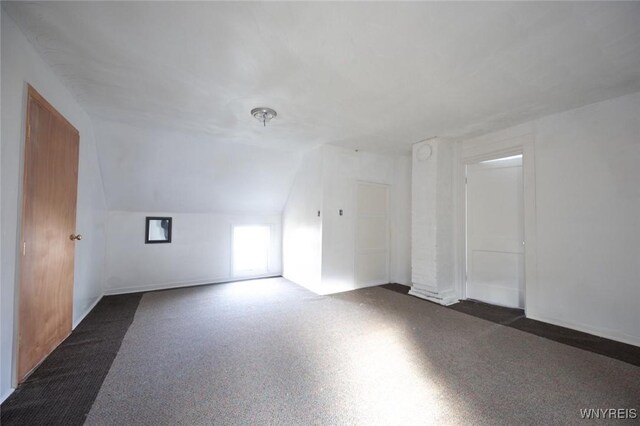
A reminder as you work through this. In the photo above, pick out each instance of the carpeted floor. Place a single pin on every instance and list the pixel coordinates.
(62, 389)
(270, 352)
(516, 318)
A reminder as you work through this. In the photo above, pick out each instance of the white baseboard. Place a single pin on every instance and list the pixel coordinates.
(606, 333)
(167, 286)
(89, 309)
(6, 395)
(446, 298)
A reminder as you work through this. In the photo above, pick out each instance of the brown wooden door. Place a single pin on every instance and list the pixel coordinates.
(48, 221)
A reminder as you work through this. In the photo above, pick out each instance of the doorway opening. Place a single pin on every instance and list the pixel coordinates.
(495, 232)
(250, 252)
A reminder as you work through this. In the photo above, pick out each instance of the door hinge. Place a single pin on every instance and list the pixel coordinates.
(24, 248)
(29, 132)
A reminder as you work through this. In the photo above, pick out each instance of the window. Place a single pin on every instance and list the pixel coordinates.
(251, 249)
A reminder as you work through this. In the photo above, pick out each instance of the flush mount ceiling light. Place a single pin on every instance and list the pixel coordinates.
(263, 114)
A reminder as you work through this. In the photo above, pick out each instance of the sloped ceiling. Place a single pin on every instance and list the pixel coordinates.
(373, 76)
(148, 169)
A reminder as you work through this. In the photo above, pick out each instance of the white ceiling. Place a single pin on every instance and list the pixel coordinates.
(373, 76)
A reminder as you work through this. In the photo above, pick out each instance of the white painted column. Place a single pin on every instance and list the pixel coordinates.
(432, 251)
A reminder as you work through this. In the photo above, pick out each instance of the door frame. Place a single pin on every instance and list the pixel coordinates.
(355, 231)
(489, 148)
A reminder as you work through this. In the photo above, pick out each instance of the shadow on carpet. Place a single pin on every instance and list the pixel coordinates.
(63, 388)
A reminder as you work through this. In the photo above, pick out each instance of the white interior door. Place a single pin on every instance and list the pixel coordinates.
(372, 234)
(495, 232)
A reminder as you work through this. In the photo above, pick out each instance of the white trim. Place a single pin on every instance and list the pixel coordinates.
(601, 332)
(167, 286)
(445, 298)
(89, 309)
(487, 149)
(6, 395)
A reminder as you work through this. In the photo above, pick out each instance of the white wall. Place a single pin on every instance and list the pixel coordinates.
(400, 225)
(302, 228)
(319, 252)
(432, 242)
(342, 168)
(5, 387)
(199, 252)
(587, 183)
(21, 65)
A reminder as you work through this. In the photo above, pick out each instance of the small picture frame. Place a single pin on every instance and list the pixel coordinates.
(157, 230)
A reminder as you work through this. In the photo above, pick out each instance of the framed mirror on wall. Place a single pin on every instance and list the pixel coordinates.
(157, 230)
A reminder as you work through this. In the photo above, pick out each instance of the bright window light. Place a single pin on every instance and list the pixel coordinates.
(513, 157)
(251, 250)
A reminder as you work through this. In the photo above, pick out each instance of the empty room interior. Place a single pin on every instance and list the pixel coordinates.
(327, 213)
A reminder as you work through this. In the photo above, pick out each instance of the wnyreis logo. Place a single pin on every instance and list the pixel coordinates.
(609, 413)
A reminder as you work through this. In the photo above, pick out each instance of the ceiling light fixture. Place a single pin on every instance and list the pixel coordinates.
(263, 114)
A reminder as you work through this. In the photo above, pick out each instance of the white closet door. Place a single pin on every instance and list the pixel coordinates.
(495, 232)
(372, 234)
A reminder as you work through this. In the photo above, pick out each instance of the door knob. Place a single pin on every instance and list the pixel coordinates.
(77, 237)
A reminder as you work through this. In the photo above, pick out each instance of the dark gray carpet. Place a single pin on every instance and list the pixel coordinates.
(270, 352)
(515, 318)
(62, 389)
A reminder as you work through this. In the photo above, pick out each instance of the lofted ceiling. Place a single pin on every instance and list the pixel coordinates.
(376, 76)
(147, 169)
